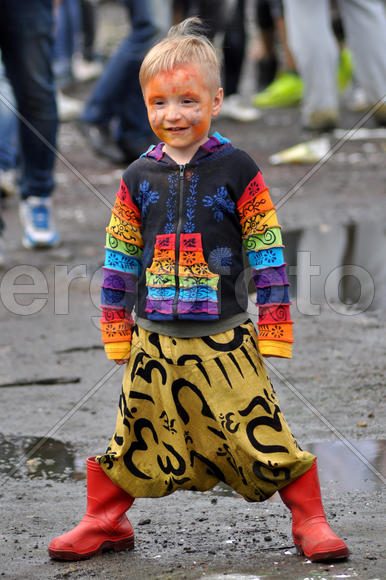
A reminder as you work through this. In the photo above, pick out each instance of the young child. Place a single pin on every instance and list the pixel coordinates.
(197, 406)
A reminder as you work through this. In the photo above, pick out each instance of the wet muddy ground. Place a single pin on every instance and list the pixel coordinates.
(58, 393)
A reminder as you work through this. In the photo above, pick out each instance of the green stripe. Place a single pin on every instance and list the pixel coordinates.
(114, 243)
(189, 282)
(270, 238)
(160, 280)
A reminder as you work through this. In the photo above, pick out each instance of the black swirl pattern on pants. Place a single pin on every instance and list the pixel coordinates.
(196, 411)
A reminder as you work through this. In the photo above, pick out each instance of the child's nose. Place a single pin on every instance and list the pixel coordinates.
(173, 112)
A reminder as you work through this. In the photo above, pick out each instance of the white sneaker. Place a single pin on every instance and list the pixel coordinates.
(69, 109)
(39, 228)
(358, 101)
(234, 108)
(86, 70)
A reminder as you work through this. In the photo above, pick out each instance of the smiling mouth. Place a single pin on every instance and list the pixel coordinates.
(176, 129)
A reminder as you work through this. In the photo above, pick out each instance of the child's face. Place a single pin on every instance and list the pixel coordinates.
(180, 106)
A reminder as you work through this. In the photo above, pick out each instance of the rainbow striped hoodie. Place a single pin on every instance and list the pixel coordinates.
(182, 241)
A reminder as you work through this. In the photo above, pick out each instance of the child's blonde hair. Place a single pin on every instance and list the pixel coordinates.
(186, 43)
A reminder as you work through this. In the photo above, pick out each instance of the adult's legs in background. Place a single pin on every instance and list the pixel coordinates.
(231, 22)
(88, 17)
(117, 93)
(365, 27)
(286, 89)
(67, 40)
(26, 42)
(8, 143)
(8, 124)
(267, 63)
(234, 48)
(315, 51)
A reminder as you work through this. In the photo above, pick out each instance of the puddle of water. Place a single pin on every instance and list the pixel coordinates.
(54, 460)
(338, 264)
(338, 463)
(58, 461)
(234, 577)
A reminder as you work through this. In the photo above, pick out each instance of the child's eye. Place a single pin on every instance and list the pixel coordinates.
(188, 101)
(157, 102)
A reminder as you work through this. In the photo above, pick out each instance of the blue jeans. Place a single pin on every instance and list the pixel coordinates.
(117, 94)
(8, 124)
(26, 44)
(68, 30)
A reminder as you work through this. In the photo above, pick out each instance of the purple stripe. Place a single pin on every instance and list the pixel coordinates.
(270, 276)
(196, 307)
(165, 306)
(119, 280)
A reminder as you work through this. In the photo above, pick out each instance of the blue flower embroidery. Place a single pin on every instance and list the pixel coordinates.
(171, 204)
(191, 203)
(220, 260)
(220, 203)
(146, 197)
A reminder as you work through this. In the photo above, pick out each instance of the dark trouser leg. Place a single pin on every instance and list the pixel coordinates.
(27, 45)
(234, 49)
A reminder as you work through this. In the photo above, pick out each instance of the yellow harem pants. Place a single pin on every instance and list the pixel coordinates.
(195, 411)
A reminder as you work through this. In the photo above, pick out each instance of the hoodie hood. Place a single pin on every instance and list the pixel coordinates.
(215, 143)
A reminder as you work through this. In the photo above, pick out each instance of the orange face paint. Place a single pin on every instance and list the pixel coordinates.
(180, 107)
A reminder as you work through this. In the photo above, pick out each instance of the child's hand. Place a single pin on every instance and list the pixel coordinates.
(121, 361)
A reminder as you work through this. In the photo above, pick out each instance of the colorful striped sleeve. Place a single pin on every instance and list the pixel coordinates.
(120, 275)
(264, 247)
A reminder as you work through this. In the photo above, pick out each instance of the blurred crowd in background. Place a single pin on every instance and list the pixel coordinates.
(305, 53)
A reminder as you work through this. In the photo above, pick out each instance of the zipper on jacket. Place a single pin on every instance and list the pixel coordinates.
(178, 232)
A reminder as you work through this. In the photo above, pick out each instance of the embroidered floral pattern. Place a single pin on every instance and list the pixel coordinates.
(220, 260)
(146, 197)
(159, 279)
(276, 332)
(264, 258)
(220, 202)
(171, 204)
(122, 268)
(116, 331)
(263, 244)
(126, 213)
(197, 295)
(124, 231)
(253, 189)
(191, 203)
(259, 223)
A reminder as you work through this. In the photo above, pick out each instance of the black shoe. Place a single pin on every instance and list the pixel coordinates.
(380, 115)
(101, 142)
(1, 243)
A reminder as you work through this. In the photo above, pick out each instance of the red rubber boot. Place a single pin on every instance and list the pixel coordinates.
(312, 535)
(104, 525)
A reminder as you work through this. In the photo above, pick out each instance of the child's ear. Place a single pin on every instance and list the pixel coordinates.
(217, 102)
